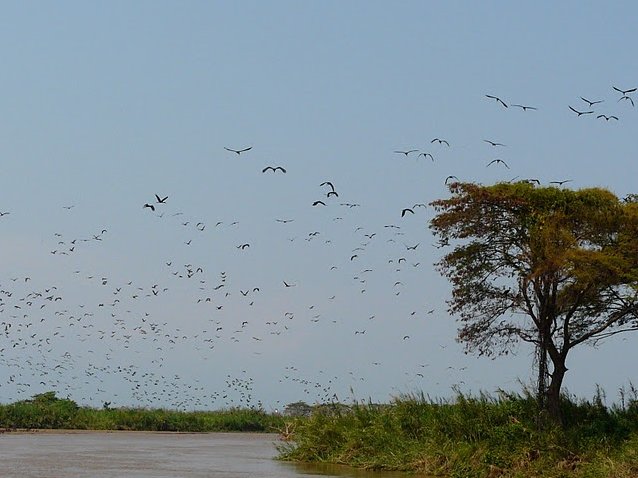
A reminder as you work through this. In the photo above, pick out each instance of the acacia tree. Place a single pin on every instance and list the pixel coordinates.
(549, 266)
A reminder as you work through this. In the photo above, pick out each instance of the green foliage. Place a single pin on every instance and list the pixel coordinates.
(44, 410)
(49, 412)
(472, 436)
(550, 266)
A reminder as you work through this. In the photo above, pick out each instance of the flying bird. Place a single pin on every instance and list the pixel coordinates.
(273, 169)
(407, 152)
(440, 141)
(580, 113)
(607, 118)
(625, 97)
(591, 103)
(624, 92)
(560, 183)
(150, 206)
(328, 183)
(498, 161)
(525, 108)
(317, 203)
(161, 200)
(493, 143)
(238, 151)
(406, 210)
(450, 177)
(425, 155)
(498, 100)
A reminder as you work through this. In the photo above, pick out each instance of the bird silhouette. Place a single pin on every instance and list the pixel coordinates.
(318, 203)
(624, 92)
(150, 206)
(406, 210)
(273, 169)
(525, 108)
(493, 143)
(161, 200)
(449, 178)
(440, 141)
(498, 161)
(607, 118)
(591, 103)
(426, 155)
(560, 183)
(625, 97)
(580, 113)
(238, 151)
(407, 152)
(498, 100)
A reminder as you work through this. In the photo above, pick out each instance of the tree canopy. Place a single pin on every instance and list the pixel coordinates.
(550, 266)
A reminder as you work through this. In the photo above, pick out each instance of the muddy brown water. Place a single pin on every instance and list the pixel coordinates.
(153, 455)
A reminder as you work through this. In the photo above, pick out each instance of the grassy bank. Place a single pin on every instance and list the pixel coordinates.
(472, 437)
(45, 411)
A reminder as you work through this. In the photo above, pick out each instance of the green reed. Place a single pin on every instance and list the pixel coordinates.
(45, 411)
(472, 436)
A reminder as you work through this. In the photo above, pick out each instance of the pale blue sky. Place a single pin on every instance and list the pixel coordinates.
(106, 104)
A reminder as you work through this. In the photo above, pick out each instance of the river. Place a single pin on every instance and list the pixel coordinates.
(154, 455)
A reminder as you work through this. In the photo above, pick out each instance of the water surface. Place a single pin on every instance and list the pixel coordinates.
(154, 455)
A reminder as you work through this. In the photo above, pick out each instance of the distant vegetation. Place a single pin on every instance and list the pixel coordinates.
(473, 437)
(46, 411)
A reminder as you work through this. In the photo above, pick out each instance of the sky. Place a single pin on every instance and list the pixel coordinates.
(107, 104)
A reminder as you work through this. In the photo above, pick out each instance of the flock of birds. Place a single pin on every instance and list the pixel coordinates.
(118, 336)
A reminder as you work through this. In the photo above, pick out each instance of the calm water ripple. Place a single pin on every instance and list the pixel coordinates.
(153, 455)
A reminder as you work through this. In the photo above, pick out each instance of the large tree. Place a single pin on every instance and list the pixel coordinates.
(549, 266)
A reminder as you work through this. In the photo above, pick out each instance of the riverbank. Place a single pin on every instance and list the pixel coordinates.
(45, 411)
(472, 437)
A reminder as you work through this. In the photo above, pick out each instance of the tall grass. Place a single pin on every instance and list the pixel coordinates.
(45, 411)
(472, 436)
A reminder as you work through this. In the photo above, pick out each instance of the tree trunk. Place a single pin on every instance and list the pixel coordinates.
(541, 384)
(552, 402)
